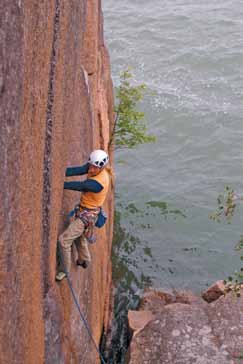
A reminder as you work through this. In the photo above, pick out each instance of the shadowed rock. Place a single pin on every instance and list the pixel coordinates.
(214, 292)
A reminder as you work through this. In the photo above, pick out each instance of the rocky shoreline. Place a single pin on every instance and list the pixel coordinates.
(178, 327)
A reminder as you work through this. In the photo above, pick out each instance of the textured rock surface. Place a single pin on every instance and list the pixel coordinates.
(193, 332)
(137, 320)
(214, 292)
(56, 106)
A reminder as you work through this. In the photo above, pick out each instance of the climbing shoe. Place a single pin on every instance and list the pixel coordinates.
(60, 276)
(82, 263)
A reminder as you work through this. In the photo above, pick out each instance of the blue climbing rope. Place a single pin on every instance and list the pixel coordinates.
(78, 307)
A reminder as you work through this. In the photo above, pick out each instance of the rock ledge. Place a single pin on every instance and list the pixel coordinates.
(181, 328)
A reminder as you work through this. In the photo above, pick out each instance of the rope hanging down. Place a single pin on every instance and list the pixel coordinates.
(78, 307)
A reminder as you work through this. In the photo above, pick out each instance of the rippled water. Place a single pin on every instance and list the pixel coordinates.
(190, 53)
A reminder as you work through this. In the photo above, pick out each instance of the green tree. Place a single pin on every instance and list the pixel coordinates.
(129, 127)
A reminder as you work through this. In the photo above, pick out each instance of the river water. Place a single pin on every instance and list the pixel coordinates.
(190, 55)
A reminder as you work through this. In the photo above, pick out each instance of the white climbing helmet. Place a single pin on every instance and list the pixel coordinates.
(98, 158)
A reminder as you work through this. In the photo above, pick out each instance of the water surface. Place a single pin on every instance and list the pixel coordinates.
(191, 54)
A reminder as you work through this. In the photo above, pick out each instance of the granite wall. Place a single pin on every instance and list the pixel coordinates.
(56, 105)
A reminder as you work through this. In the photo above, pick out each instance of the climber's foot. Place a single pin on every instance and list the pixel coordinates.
(60, 276)
(82, 263)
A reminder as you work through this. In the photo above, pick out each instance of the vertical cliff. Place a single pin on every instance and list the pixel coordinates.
(56, 106)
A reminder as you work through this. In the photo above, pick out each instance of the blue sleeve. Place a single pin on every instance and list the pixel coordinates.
(89, 185)
(77, 171)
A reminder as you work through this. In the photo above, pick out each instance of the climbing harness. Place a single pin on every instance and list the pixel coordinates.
(78, 306)
(100, 222)
(89, 218)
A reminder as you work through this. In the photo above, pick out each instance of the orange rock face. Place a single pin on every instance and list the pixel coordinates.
(56, 106)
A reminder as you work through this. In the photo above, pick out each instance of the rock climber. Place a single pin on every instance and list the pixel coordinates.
(94, 189)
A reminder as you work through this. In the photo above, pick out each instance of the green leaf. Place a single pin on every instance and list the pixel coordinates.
(129, 129)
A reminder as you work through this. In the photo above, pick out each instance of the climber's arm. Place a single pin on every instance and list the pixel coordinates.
(89, 185)
(77, 171)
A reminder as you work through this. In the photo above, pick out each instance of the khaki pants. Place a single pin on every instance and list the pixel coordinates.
(74, 231)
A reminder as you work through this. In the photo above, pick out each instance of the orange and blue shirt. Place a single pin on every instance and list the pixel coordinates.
(94, 188)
